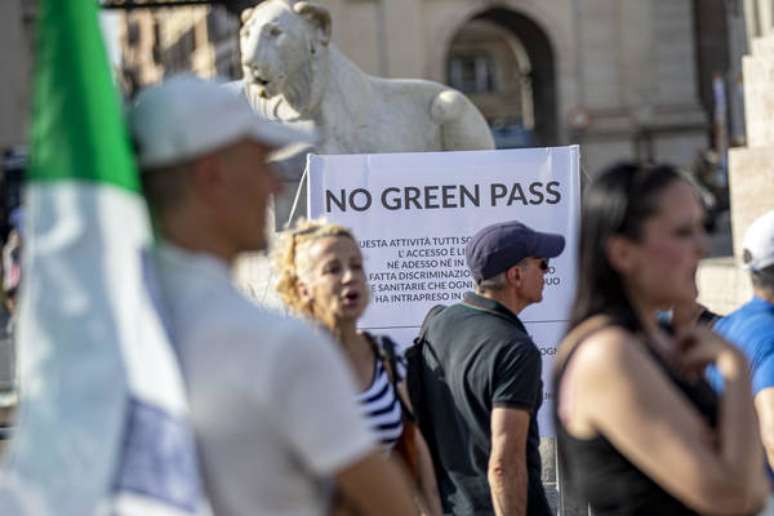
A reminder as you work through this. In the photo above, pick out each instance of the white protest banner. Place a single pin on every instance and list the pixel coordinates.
(414, 213)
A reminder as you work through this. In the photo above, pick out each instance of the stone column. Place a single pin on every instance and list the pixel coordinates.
(752, 167)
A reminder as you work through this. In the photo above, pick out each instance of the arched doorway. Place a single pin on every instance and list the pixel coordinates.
(504, 62)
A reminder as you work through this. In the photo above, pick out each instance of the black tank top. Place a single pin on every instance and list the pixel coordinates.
(600, 475)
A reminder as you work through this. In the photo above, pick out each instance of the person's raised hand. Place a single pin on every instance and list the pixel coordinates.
(699, 347)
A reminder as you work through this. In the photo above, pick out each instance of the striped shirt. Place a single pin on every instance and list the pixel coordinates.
(379, 403)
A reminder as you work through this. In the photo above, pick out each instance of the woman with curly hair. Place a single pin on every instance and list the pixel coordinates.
(321, 278)
(639, 429)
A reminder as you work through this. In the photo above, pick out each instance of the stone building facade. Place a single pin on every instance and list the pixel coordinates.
(16, 45)
(623, 78)
(620, 78)
(160, 42)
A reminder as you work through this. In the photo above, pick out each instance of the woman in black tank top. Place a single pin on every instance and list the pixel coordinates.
(639, 429)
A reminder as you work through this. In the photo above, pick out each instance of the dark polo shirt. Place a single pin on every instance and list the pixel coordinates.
(479, 356)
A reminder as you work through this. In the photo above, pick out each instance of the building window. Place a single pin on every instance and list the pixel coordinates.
(472, 74)
(132, 33)
(156, 50)
(228, 67)
(177, 58)
(235, 70)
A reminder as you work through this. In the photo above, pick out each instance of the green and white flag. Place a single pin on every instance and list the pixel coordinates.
(103, 422)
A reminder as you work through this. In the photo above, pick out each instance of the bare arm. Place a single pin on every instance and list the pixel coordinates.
(377, 486)
(710, 471)
(764, 406)
(507, 471)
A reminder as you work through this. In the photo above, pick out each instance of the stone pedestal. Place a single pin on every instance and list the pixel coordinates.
(723, 286)
(752, 185)
(758, 70)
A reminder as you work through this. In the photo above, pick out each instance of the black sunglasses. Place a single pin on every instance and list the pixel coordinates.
(543, 264)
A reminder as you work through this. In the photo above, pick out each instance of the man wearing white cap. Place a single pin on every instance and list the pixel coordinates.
(751, 327)
(271, 401)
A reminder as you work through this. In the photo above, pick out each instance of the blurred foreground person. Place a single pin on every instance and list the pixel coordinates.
(639, 429)
(479, 384)
(321, 277)
(272, 405)
(751, 327)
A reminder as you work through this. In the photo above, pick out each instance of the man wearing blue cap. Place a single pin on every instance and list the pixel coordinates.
(481, 378)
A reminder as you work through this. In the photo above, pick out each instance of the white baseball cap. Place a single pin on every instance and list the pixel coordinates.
(185, 117)
(758, 243)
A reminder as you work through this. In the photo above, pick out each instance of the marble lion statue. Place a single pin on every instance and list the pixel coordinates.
(293, 73)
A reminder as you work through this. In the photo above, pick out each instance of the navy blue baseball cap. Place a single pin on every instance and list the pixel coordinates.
(499, 247)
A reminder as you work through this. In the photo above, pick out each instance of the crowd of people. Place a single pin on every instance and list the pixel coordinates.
(310, 415)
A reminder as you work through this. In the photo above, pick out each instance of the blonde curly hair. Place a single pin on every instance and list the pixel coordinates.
(285, 258)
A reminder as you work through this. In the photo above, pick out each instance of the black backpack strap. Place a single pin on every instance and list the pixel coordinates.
(415, 382)
(390, 360)
(414, 362)
(414, 365)
(420, 340)
(387, 350)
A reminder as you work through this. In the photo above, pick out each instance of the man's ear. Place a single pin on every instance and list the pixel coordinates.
(620, 254)
(303, 292)
(513, 276)
(206, 176)
(318, 17)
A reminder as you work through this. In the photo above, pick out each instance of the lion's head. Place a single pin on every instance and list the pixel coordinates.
(282, 44)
